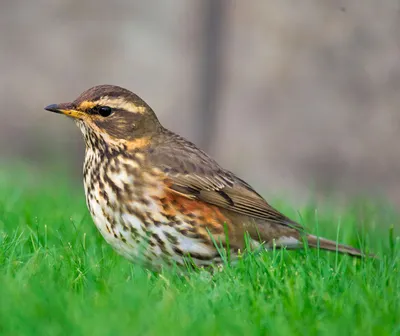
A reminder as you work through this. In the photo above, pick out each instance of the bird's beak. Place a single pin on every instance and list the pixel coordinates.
(65, 108)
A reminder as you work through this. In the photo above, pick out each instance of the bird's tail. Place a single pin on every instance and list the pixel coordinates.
(330, 245)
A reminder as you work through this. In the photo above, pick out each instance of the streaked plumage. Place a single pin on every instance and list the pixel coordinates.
(156, 198)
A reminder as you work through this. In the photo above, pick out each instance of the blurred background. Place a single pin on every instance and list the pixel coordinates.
(300, 98)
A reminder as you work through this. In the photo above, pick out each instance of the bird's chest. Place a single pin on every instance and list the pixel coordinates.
(139, 219)
(122, 200)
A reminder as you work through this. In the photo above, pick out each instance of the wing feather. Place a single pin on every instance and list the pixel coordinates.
(197, 176)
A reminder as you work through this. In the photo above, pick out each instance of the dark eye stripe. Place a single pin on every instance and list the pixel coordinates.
(92, 110)
(104, 111)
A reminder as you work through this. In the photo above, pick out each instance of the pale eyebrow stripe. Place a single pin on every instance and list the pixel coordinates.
(119, 103)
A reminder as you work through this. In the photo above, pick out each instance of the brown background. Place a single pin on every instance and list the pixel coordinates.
(297, 97)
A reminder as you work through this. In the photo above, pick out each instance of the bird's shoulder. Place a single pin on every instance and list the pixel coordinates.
(175, 155)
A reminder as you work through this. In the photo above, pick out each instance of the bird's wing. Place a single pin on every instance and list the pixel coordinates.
(194, 174)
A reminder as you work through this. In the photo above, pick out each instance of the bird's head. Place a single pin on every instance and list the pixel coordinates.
(111, 113)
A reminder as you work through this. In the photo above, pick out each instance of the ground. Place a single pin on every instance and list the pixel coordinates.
(58, 276)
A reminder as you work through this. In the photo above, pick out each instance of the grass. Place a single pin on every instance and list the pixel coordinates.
(58, 276)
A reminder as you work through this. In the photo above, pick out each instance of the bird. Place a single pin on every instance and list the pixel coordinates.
(159, 200)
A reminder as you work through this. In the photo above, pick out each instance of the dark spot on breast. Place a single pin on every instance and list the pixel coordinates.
(171, 238)
(104, 194)
(159, 241)
(177, 250)
(199, 256)
(127, 187)
(171, 218)
(192, 223)
(113, 186)
(144, 201)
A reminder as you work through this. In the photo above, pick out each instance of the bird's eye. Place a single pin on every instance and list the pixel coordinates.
(105, 111)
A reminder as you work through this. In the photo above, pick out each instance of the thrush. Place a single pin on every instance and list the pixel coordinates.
(157, 199)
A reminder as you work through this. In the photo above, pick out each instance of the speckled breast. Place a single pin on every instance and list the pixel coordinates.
(141, 219)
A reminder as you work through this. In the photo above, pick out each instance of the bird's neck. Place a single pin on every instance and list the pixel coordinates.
(98, 143)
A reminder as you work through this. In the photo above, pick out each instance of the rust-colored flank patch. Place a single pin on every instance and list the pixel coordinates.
(201, 214)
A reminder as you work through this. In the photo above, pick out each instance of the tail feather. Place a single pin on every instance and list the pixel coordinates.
(330, 245)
